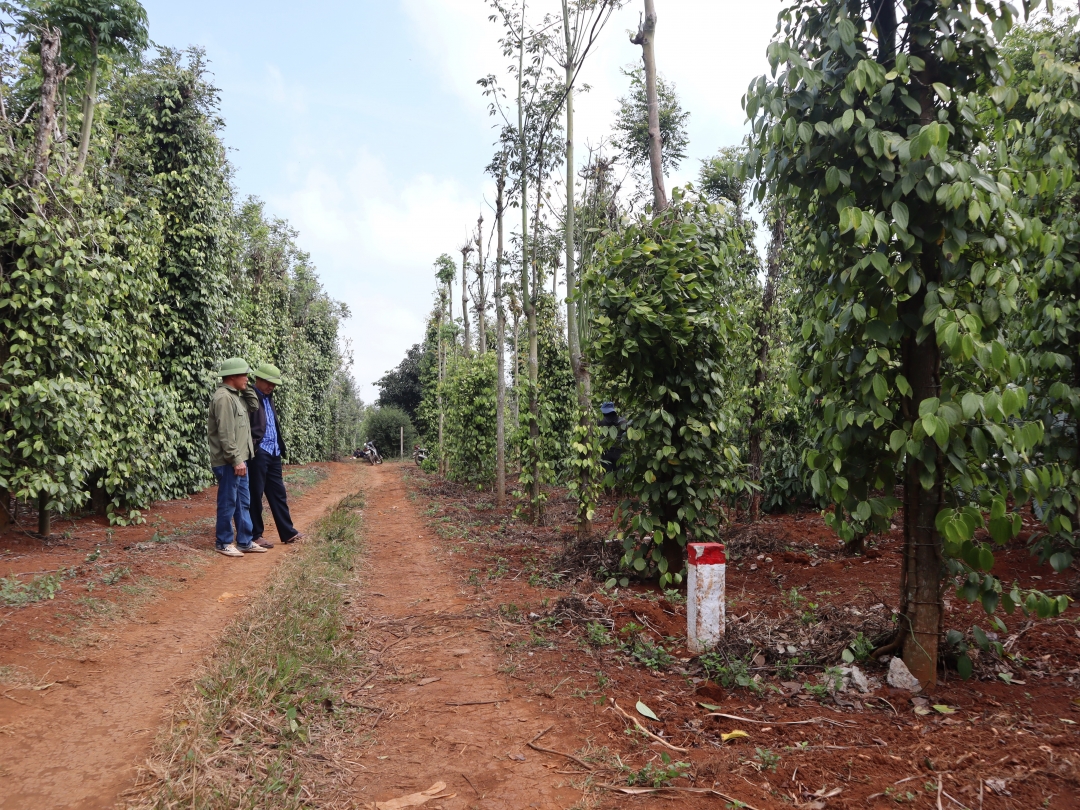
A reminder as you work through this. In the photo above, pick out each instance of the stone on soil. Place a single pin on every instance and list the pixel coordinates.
(900, 676)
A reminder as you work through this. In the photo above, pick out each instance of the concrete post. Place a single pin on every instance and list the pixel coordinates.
(705, 585)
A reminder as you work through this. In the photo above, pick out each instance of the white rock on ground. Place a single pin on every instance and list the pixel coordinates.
(900, 676)
(860, 680)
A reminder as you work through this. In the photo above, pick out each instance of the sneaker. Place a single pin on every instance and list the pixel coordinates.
(261, 541)
(229, 550)
(294, 538)
(254, 548)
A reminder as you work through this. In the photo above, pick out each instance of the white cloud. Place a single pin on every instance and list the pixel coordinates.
(374, 239)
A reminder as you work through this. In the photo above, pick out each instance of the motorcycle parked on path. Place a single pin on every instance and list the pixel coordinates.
(371, 454)
(419, 455)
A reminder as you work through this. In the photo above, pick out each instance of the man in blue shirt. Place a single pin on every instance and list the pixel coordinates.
(264, 469)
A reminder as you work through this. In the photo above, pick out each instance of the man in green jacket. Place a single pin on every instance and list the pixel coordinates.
(228, 433)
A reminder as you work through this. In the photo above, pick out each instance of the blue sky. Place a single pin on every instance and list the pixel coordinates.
(361, 123)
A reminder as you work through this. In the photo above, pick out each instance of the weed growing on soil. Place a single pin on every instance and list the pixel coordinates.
(730, 671)
(767, 759)
(15, 593)
(662, 775)
(242, 739)
(598, 635)
(115, 575)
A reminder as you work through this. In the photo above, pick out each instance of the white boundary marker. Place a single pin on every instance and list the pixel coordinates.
(706, 616)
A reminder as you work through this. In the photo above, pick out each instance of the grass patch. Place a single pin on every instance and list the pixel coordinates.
(301, 479)
(273, 694)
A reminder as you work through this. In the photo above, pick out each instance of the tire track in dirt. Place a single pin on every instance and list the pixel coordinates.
(441, 656)
(77, 744)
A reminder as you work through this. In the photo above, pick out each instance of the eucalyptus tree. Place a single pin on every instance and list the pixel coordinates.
(525, 130)
(465, 249)
(644, 37)
(632, 125)
(498, 169)
(874, 133)
(582, 23)
(480, 303)
(445, 270)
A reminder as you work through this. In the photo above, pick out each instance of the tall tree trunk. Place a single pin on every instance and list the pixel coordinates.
(528, 303)
(89, 102)
(645, 36)
(757, 405)
(466, 249)
(573, 335)
(50, 80)
(5, 509)
(44, 516)
(920, 579)
(481, 325)
(500, 353)
(921, 605)
(439, 396)
(515, 378)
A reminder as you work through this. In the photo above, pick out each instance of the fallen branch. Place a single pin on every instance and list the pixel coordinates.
(781, 723)
(477, 702)
(883, 700)
(639, 791)
(646, 732)
(532, 744)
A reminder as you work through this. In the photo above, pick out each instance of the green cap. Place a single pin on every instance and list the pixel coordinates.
(234, 365)
(269, 372)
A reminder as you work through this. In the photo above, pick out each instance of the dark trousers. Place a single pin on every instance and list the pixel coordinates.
(265, 473)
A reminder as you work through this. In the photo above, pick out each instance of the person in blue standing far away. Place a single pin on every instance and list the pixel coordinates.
(228, 434)
(265, 467)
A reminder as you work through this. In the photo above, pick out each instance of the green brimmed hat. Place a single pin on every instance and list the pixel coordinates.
(269, 372)
(234, 365)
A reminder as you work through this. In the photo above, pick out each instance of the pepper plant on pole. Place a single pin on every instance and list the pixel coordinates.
(880, 143)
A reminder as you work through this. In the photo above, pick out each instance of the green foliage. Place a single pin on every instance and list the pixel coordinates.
(653, 775)
(662, 326)
(768, 759)
(14, 593)
(123, 286)
(632, 123)
(912, 270)
(383, 426)
(1043, 146)
(401, 387)
(729, 672)
(551, 455)
(80, 396)
(598, 635)
(469, 396)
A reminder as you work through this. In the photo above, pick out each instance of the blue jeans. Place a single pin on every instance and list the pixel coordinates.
(233, 504)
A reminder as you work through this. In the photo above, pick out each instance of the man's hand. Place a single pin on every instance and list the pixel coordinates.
(240, 469)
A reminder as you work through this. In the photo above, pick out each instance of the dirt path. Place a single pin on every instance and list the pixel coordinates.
(77, 743)
(441, 656)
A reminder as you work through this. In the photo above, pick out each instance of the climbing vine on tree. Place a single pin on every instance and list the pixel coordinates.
(881, 142)
(663, 326)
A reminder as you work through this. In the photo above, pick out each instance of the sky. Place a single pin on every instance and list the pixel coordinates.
(361, 123)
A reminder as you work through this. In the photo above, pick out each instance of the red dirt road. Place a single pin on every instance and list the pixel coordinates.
(441, 655)
(77, 743)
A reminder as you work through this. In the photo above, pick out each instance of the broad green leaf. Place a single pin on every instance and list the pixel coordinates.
(645, 711)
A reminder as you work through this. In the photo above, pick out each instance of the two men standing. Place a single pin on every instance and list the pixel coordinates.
(246, 446)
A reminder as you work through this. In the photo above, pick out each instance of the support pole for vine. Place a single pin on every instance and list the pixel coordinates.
(706, 616)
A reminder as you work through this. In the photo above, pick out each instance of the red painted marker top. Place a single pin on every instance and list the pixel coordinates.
(706, 554)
